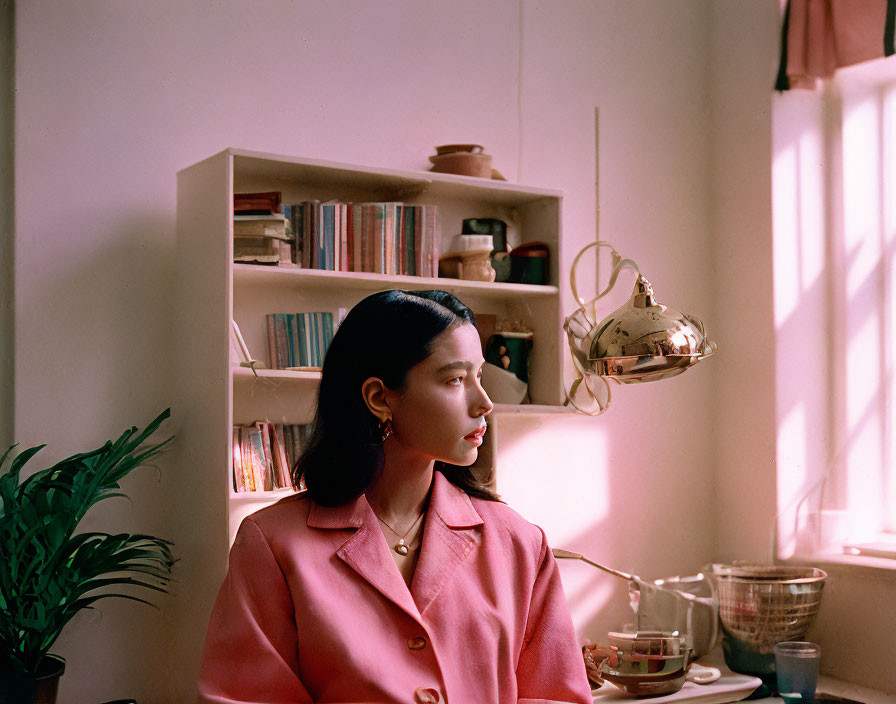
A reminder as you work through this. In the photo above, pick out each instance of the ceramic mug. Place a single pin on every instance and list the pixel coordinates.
(510, 351)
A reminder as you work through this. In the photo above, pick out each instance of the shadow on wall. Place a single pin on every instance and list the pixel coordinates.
(7, 222)
(99, 338)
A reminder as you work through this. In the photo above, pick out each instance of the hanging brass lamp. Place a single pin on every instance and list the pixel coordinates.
(643, 340)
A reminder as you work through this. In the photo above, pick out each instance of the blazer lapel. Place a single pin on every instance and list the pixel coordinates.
(366, 551)
(449, 536)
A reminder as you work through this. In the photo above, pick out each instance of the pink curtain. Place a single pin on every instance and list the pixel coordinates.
(823, 35)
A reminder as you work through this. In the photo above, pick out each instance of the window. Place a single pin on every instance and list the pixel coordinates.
(834, 229)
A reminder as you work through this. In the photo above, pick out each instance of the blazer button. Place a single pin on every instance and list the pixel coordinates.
(417, 643)
(427, 695)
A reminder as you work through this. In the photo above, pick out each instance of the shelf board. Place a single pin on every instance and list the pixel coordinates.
(243, 374)
(530, 409)
(358, 281)
(337, 176)
(270, 496)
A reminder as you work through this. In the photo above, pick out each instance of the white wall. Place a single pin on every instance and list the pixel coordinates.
(617, 488)
(743, 428)
(113, 98)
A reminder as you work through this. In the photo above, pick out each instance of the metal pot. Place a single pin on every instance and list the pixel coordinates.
(685, 604)
(647, 662)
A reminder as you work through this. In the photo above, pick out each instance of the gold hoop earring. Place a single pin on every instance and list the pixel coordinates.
(385, 427)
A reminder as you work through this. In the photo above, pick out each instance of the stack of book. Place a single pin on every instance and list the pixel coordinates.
(261, 239)
(264, 455)
(298, 340)
(384, 238)
(261, 234)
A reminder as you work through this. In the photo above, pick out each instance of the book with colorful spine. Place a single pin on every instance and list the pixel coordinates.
(265, 454)
(298, 341)
(382, 237)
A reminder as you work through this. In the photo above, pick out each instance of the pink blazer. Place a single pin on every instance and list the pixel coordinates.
(313, 609)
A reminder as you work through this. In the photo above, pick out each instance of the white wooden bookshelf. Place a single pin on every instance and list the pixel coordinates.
(213, 392)
(250, 274)
(307, 381)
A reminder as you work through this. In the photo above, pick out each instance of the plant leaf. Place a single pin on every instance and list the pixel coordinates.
(48, 572)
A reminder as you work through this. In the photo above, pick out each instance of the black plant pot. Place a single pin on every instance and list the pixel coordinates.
(47, 680)
(41, 689)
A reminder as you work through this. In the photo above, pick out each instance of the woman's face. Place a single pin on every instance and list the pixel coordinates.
(440, 412)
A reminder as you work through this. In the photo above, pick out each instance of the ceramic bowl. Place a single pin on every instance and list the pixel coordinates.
(503, 386)
(646, 666)
(647, 643)
(641, 686)
(463, 164)
(450, 148)
(647, 675)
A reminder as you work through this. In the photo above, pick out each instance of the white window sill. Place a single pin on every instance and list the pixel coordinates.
(832, 563)
(885, 548)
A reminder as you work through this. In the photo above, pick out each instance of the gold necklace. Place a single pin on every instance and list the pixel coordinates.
(401, 547)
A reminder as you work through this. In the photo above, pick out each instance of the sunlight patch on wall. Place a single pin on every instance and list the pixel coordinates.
(798, 220)
(864, 417)
(861, 194)
(811, 229)
(889, 164)
(862, 369)
(865, 480)
(786, 227)
(791, 475)
(555, 477)
(889, 332)
(890, 408)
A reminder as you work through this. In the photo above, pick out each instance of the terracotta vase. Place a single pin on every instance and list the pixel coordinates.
(47, 681)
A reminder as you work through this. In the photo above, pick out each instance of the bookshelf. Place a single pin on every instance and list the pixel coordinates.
(213, 392)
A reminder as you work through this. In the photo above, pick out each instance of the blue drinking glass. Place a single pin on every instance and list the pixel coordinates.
(796, 665)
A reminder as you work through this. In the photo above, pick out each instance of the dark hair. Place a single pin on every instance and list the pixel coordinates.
(383, 336)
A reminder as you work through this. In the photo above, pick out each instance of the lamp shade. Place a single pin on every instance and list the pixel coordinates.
(644, 340)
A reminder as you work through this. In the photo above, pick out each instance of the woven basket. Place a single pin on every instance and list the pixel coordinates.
(761, 605)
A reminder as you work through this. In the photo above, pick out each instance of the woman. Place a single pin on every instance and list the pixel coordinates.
(395, 577)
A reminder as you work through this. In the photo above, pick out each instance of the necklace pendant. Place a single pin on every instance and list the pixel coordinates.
(401, 548)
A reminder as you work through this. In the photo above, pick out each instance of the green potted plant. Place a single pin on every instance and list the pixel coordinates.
(48, 572)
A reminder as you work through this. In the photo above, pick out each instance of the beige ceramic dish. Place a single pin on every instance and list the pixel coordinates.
(645, 685)
(472, 265)
(643, 675)
(451, 148)
(463, 164)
